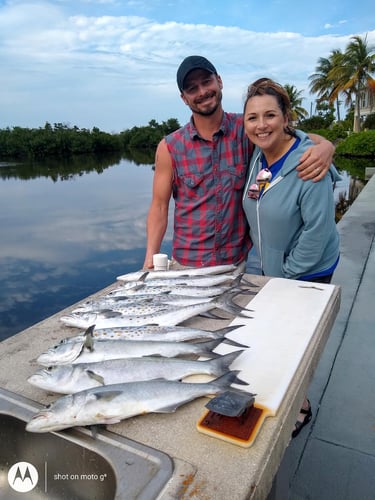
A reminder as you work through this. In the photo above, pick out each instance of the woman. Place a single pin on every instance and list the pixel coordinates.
(292, 222)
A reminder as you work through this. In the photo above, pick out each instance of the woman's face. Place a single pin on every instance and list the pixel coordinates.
(264, 122)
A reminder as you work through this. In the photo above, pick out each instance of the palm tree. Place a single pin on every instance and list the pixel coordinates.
(322, 84)
(351, 73)
(295, 98)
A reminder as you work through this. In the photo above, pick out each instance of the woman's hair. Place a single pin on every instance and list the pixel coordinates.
(266, 86)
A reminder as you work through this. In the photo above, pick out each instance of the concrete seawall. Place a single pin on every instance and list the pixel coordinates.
(334, 457)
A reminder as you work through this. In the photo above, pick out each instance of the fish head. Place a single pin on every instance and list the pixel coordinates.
(58, 415)
(61, 354)
(54, 378)
(80, 320)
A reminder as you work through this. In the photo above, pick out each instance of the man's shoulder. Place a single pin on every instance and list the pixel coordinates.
(179, 132)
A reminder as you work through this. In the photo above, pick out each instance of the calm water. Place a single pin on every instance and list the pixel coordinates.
(62, 240)
(67, 231)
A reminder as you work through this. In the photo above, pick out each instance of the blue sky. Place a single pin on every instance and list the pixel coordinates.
(112, 64)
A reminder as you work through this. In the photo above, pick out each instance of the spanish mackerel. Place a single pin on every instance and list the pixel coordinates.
(110, 404)
(125, 304)
(148, 305)
(92, 351)
(176, 273)
(170, 317)
(67, 379)
(191, 291)
(209, 280)
(154, 332)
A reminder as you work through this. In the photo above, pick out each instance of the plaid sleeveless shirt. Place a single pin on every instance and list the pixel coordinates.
(210, 227)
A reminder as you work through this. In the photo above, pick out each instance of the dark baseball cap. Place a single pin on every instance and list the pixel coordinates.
(190, 63)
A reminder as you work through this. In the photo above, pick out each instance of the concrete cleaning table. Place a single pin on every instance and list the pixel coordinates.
(208, 468)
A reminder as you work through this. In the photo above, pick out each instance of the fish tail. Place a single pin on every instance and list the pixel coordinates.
(221, 365)
(226, 303)
(224, 382)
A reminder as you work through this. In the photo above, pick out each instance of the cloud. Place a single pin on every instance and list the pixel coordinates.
(339, 23)
(115, 72)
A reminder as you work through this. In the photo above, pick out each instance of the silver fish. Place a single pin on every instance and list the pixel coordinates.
(154, 332)
(171, 316)
(93, 351)
(210, 280)
(141, 305)
(191, 291)
(67, 379)
(176, 273)
(112, 403)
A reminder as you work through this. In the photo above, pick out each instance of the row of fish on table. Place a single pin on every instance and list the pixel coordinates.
(132, 355)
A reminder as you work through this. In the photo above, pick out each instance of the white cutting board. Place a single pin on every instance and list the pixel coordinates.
(285, 315)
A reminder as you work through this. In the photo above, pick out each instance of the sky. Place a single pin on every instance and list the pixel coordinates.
(112, 64)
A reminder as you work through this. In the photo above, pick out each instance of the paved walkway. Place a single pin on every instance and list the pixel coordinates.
(334, 457)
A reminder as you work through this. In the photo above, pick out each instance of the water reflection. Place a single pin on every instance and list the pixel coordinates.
(69, 228)
(68, 234)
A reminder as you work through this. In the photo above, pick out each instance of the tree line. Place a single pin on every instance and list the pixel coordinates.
(63, 141)
(343, 75)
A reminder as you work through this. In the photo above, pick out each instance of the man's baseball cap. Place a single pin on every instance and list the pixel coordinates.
(190, 63)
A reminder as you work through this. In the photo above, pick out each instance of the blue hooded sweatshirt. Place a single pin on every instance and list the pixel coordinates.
(292, 224)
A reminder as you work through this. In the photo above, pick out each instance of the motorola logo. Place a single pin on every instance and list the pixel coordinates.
(22, 477)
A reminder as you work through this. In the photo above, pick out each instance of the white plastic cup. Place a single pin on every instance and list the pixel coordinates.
(160, 261)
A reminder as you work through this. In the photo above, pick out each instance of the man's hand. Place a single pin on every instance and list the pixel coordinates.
(315, 161)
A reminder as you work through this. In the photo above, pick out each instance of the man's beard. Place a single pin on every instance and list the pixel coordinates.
(210, 111)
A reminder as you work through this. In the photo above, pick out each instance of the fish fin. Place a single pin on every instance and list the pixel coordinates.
(227, 329)
(95, 376)
(233, 343)
(167, 409)
(223, 363)
(107, 395)
(225, 381)
(211, 315)
(248, 283)
(89, 338)
(109, 313)
(94, 429)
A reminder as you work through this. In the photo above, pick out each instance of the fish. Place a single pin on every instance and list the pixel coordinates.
(209, 280)
(191, 291)
(112, 403)
(171, 316)
(67, 379)
(176, 273)
(158, 303)
(142, 304)
(154, 332)
(239, 284)
(90, 350)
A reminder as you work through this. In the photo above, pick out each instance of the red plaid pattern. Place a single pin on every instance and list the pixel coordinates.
(210, 227)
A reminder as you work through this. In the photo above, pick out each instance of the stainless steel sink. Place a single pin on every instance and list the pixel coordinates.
(72, 464)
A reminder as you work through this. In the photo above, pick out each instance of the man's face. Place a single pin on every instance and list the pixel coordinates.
(202, 92)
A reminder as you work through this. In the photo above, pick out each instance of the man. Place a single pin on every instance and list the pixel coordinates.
(203, 165)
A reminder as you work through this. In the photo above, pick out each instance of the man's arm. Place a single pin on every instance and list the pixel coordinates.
(315, 161)
(157, 219)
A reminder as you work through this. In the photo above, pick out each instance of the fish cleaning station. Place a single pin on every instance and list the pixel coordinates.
(218, 447)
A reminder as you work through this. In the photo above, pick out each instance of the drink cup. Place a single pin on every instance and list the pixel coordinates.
(160, 261)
